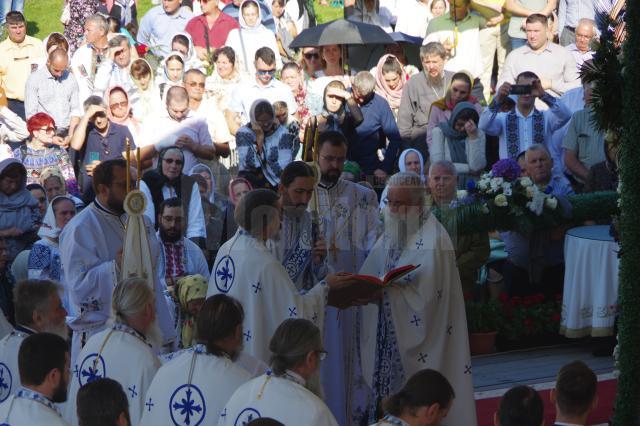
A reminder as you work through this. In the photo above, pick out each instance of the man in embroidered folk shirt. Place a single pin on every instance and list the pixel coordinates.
(193, 377)
(349, 214)
(38, 310)
(44, 373)
(299, 246)
(124, 351)
(525, 125)
(420, 320)
(283, 393)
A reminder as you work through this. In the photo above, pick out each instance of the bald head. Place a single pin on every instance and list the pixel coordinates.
(57, 62)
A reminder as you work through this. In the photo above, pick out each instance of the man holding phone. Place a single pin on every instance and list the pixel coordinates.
(525, 125)
(96, 140)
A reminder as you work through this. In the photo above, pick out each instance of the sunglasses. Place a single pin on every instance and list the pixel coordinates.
(311, 56)
(48, 129)
(265, 72)
(171, 161)
(122, 104)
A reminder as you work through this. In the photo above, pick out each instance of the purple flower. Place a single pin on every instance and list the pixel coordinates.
(507, 169)
(548, 190)
(471, 185)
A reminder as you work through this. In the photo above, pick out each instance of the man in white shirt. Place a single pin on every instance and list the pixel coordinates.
(44, 373)
(265, 86)
(114, 70)
(38, 310)
(88, 57)
(283, 393)
(581, 49)
(179, 126)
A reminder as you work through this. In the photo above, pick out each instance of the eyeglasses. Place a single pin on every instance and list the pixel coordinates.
(311, 56)
(265, 72)
(171, 161)
(49, 129)
(122, 104)
(322, 354)
(196, 84)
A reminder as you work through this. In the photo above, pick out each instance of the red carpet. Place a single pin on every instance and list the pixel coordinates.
(606, 397)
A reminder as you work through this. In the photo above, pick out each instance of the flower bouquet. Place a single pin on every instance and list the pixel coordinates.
(529, 316)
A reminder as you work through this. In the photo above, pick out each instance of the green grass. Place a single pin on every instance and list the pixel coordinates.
(43, 16)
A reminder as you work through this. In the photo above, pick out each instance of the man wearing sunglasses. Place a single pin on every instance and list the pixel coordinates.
(264, 86)
(97, 139)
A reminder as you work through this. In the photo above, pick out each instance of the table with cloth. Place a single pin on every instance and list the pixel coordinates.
(590, 298)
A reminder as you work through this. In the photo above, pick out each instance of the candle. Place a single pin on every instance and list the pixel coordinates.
(128, 145)
(139, 168)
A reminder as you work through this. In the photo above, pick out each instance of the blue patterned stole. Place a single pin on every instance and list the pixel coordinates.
(513, 131)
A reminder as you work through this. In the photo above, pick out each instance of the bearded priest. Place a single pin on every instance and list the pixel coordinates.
(420, 319)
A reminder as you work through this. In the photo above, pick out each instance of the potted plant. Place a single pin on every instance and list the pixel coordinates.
(483, 320)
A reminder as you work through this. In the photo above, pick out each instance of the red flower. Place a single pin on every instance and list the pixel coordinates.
(516, 300)
(539, 298)
(528, 300)
(559, 296)
(555, 317)
(504, 297)
(528, 323)
(142, 49)
(468, 295)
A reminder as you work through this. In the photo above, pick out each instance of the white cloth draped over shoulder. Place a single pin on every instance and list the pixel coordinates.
(9, 374)
(119, 353)
(25, 411)
(246, 270)
(286, 400)
(426, 312)
(192, 389)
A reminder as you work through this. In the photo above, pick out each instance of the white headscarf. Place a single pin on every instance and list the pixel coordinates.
(49, 227)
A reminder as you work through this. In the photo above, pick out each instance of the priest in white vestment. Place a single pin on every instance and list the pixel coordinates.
(246, 270)
(420, 319)
(91, 254)
(45, 376)
(282, 394)
(38, 310)
(122, 352)
(194, 386)
(350, 219)
(299, 247)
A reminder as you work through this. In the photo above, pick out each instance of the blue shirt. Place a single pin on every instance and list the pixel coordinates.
(571, 11)
(157, 28)
(267, 18)
(378, 125)
(103, 148)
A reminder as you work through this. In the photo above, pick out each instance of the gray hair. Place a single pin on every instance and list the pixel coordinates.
(589, 22)
(93, 100)
(117, 40)
(411, 181)
(536, 147)
(100, 21)
(432, 48)
(364, 82)
(31, 296)
(130, 298)
(292, 341)
(445, 164)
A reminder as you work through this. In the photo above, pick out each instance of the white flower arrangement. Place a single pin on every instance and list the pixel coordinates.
(501, 200)
(551, 202)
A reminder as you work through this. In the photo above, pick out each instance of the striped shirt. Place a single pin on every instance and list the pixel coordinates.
(58, 97)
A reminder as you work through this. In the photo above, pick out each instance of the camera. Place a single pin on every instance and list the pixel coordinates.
(521, 89)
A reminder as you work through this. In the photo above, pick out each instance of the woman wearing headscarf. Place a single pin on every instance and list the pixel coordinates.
(145, 96)
(460, 141)
(170, 73)
(54, 185)
(459, 90)
(167, 181)
(265, 147)
(40, 152)
(250, 37)
(225, 76)
(19, 211)
(183, 43)
(390, 80)
(119, 110)
(191, 293)
(44, 258)
(410, 160)
(339, 110)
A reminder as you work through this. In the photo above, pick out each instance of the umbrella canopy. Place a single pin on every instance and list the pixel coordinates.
(405, 38)
(341, 31)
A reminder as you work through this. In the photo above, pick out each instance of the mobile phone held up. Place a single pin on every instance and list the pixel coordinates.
(520, 89)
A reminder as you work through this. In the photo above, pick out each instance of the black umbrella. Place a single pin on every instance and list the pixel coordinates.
(341, 31)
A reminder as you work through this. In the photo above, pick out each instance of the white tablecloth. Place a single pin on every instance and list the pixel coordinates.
(590, 298)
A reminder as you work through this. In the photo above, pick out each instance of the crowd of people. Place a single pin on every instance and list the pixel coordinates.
(256, 252)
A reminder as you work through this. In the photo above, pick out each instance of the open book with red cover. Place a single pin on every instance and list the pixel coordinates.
(367, 286)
